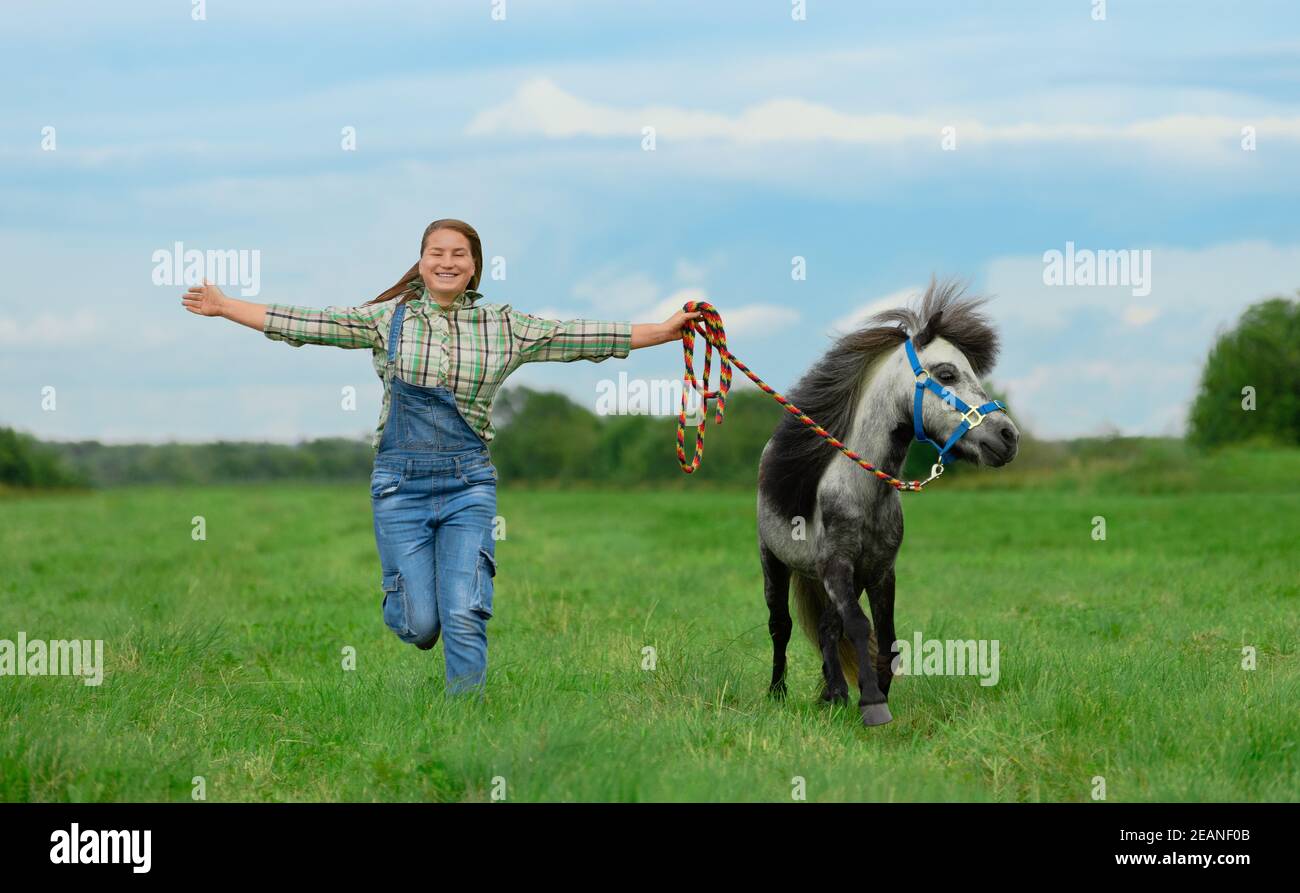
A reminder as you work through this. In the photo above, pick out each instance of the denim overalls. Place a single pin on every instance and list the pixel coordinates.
(434, 494)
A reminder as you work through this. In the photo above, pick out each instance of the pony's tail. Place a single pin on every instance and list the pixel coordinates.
(811, 601)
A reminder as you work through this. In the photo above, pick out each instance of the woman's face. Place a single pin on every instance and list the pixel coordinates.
(446, 264)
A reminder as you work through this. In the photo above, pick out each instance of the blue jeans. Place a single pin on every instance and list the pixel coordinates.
(434, 495)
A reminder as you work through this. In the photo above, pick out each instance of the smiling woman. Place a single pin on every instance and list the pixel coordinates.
(442, 354)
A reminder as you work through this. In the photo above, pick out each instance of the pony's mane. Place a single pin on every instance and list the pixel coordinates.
(829, 391)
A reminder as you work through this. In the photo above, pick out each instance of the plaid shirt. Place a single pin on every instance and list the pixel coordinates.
(470, 349)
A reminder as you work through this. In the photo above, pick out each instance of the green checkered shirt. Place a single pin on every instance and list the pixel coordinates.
(470, 349)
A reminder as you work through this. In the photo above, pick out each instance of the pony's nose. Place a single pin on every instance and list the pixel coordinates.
(1010, 436)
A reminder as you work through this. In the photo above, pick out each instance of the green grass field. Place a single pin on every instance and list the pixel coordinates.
(1119, 659)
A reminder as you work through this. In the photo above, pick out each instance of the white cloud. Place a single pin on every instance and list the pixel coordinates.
(856, 318)
(1070, 373)
(1081, 360)
(614, 293)
(84, 327)
(758, 320)
(752, 321)
(51, 330)
(114, 413)
(670, 303)
(1137, 316)
(1215, 283)
(1078, 397)
(686, 271)
(542, 107)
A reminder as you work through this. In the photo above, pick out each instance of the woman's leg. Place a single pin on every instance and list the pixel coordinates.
(404, 535)
(465, 557)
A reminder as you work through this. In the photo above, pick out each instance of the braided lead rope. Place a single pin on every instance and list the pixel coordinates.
(715, 336)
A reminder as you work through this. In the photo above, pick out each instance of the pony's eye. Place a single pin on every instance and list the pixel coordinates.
(947, 376)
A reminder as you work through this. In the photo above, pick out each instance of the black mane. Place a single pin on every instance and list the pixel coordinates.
(828, 392)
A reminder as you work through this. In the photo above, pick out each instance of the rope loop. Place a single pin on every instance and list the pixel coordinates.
(709, 327)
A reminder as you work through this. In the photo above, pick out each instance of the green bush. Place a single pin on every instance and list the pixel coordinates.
(1263, 354)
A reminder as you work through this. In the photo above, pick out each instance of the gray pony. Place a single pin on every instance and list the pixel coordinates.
(836, 528)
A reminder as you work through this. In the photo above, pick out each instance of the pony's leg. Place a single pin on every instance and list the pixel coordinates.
(829, 629)
(839, 583)
(882, 611)
(776, 589)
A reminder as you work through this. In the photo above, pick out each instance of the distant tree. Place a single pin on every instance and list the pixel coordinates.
(547, 436)
(26, 462)
(1250, 386)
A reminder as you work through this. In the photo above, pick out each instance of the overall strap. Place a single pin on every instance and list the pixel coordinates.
(395, 334)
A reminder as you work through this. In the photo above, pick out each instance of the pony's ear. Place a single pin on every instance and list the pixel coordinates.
(926, 334)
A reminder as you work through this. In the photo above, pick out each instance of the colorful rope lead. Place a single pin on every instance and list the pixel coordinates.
(715, 336)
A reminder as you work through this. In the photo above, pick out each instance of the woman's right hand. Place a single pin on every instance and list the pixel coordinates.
(205, 299)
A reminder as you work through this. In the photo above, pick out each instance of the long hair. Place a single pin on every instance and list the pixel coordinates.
(410, 284)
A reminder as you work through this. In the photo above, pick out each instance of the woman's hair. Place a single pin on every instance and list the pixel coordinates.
(411, 284)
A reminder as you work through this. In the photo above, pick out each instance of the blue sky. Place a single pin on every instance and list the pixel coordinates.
(774, 138)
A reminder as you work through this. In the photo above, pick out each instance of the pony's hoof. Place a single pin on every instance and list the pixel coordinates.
(777, 692)
(876, 715)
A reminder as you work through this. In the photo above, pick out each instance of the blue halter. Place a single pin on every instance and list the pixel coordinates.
(971, 418)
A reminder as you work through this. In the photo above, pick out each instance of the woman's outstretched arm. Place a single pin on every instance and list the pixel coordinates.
(563, 341)
(649, 334)
(348, 327)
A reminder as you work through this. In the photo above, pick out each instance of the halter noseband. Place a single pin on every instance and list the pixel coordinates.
(971, 417)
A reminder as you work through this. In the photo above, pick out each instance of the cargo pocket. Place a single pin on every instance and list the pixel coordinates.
(396, 607)
(483, 582)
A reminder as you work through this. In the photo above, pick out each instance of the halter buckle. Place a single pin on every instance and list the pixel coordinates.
(979, 417)
(921, 376)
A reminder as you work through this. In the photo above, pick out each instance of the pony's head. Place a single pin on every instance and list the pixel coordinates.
(866, 380)
(956, 347)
